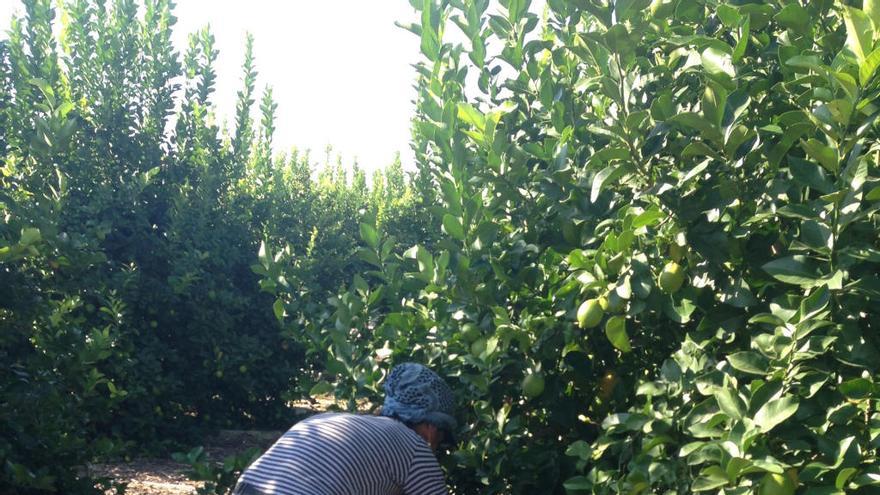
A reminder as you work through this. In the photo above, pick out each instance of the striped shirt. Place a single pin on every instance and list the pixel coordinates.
(341, 454)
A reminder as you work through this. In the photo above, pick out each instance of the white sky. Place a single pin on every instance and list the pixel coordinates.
(340, 69)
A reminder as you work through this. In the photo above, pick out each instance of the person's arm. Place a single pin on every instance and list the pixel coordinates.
(425, 476)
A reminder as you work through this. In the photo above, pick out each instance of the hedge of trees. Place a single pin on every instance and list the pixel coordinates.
(659, 263)
(641, 245)
(130, 314)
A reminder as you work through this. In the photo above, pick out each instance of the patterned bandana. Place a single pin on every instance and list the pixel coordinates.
(414, 394)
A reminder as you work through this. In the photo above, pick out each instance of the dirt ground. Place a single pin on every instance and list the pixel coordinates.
(146, 476)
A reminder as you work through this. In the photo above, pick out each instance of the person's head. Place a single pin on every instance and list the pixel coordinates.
(418, 397)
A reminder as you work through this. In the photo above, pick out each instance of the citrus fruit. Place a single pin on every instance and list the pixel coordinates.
(533, 385)
(661, 9)
(590, 313)
(478, 347)
(470, 332)
(671, 277)
(777, 484)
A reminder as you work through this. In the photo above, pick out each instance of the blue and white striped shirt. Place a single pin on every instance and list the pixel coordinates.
(341, 454)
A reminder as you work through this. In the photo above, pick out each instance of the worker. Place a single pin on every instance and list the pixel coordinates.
(342, 453)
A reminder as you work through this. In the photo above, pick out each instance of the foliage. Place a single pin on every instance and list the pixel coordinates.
(219, 478)
(129, 221)
(603, 142)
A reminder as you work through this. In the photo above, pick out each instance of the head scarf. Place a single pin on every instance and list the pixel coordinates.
(414, 394)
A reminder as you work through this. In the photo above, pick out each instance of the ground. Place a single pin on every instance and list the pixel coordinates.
(146, 476)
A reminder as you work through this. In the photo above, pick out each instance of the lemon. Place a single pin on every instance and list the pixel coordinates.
(671, 278)
(470, 332)
(661, 9)
(478, 347)
(533, 385)
(777, 484)
(570, 233)
(590, 313)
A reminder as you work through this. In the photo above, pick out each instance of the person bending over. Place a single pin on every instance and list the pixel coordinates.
(342, 454)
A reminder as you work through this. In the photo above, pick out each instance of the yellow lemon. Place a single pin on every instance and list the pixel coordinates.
(590, 313)
(671, 278)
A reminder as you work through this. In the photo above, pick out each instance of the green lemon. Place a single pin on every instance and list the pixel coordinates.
(777, 484)
(533, 385)
(478, 347)
(218, 374)
(671, 278)
(470, 332)
(570, 233)
(590, 313)
(242, 369)
(661, 9)
(154, 324)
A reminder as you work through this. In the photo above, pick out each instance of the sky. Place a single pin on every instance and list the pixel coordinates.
(340, 69)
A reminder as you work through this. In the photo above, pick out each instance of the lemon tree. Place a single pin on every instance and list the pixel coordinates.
(709, 165)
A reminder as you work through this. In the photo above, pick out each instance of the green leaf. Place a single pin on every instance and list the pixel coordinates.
(580, 449)
(743, 42)
(615, 330)
(775, 412)
(423, 257)
(868, 68)
(710, 478)
(843, 477)
(749, 362)
(369, 235)
(430, 43)
(718, 63)
(467, 113)
(822, 154)
(730, 402)
(453, 227)
(797, 270)
(859, 32)
(857, 389)
(696, 121)
(606, 176)
(278, 309)
(794, 17)
(578, 483)
(29, 236)
(809, 174)
(648, 217)
(321, 388)
(872, 9)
